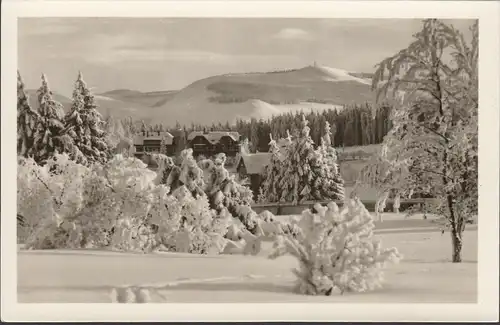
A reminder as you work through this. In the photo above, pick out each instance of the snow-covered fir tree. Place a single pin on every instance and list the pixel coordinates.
(88, 132)
(296, 179)
(225, 194)
(336, 250)
(27, 119)
(434, 84)
(269, 190)
(190, 174)
(304, 173)
(329, 181)
(50, 136)
(205, 229)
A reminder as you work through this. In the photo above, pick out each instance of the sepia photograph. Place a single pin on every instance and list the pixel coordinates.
(249, 160)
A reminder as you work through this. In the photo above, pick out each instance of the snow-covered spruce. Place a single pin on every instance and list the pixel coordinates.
(269, 191)
(301, 173)
(202, 223)
(87, 131)
(333, 184)
(336, 250)
(226, 194)
(27, 119)
(51, 135)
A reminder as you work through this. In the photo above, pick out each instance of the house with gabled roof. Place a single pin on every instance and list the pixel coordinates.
(252, 166)
(209, 143)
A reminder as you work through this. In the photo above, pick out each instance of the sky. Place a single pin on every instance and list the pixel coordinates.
(150, 54)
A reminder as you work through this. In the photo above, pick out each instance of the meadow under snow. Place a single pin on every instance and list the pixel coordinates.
(85, 276)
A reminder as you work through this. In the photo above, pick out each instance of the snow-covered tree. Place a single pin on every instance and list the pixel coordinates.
(202, 229)
(296, 178)
(88, 128)
(226, 195)
(304, 173)
(245, 147)
(386, 177)
(190, 174)
(269, 190)
(46, 196)
(330, 183)
(203, 224)
(50, 135)
(26, 121)
(336, 250)
(434, 82)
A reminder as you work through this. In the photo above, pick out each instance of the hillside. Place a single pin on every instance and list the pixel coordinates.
(151, 99)
(231, 96)
(106, 105)
(260, 95)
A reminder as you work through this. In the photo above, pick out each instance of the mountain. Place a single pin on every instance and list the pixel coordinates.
(106, 105)
(241, 95)
(261, 95)
(151, 99)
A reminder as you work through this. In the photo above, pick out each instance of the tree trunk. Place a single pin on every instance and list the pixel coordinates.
(456, 240)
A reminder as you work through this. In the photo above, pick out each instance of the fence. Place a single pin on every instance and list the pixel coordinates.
(294, 209)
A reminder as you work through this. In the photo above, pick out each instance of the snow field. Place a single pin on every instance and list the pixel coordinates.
(85, 276)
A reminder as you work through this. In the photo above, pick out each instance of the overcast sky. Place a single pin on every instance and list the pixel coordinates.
(150, 54)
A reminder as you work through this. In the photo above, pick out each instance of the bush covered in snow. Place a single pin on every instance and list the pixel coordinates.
(116, 205)
(336, 250)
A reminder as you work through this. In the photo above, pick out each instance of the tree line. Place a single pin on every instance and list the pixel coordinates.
(352, 125)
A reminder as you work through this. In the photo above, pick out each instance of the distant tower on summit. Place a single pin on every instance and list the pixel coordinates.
(315, 64)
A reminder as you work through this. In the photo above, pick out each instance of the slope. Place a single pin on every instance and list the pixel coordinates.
(260, 95)
(106, 105)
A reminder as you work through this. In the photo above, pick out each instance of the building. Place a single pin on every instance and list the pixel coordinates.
(211, 143)
(253, 166)
(151, 142)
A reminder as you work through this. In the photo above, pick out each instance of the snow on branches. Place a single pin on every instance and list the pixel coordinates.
(336, 250)
(300, 172)
(116, 205)
(27, 119)
(87, 131)
(50, 134)
(434, 136)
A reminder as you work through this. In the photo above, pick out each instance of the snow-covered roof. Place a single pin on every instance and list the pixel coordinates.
(168, 138)
(215, 136)
(255, 163)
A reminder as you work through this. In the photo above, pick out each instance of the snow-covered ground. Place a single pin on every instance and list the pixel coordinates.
(342, 75)
(425, 275)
